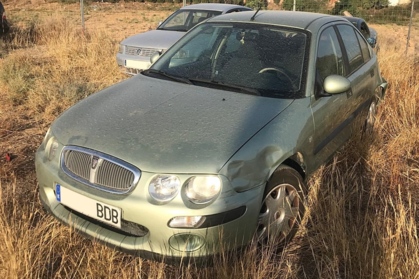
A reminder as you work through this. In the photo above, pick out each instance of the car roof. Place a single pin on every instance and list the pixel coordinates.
(213, 7)
(352, 18)
(285, 18)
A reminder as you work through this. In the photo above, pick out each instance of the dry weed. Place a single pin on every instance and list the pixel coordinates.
(361, 219)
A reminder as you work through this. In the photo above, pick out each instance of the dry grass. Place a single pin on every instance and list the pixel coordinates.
(361, 219)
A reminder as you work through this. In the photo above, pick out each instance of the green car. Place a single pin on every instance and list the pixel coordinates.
(212, 145)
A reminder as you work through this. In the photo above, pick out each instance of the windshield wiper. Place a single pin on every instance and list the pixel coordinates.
(169, 29)
(161, 73)
(241, 89)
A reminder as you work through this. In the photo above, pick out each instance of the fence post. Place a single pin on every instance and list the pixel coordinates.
(82, 14)
(293, 6)
(410, 27)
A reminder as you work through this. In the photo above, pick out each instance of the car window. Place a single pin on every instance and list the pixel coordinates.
(352, 47)
(194, 49)
(233, 11)
(262, 58)
(329, 55)
(200, 16)
(178, 21)
(183, 20)
(365, 30)
(364, 47)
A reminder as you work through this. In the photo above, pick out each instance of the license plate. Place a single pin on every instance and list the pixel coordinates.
(95, 209)
(137, 64)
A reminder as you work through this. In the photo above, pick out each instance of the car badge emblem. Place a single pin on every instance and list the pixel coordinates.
(95, 160)
(139, 51)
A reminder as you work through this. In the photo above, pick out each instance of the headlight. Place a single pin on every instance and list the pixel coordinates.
(51, 148)
(46, 138)
(164, 188)
(203, 189)
(121, 49)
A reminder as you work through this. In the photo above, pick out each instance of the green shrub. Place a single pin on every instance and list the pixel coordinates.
(255, 4)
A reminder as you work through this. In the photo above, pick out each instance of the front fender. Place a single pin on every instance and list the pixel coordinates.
(290, 132)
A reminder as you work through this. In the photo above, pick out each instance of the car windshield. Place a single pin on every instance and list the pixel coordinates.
(183, 20)
(244, 57)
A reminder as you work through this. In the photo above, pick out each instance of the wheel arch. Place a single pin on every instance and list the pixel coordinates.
(296, 161)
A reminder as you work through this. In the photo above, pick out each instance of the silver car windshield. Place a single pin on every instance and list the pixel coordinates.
(244, 57)
(183, 20)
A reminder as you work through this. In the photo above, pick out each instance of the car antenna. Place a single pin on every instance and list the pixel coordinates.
(253, 17)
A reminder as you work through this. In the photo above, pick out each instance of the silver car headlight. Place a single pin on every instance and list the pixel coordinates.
(203, 189)
(164, 188)
(121, 49)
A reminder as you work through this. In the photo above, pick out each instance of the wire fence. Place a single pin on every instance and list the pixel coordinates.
(373, 11)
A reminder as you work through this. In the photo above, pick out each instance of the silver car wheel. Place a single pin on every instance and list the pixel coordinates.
(278, 214)
(372, 111)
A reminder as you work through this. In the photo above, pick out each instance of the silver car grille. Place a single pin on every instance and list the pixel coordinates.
(99, 170)
(140, 51)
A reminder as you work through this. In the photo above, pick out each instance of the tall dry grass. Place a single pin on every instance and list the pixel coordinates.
(360, 222)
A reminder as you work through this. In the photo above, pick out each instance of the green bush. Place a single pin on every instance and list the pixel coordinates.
(255, 4)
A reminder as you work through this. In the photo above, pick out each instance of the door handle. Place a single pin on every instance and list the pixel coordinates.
(372, 73)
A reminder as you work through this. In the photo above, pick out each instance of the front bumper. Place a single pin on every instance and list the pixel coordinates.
(132, 65)
(139, 209)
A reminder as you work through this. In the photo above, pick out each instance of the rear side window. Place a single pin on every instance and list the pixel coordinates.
(329, 55)
(365, 30)
(352, 47)
(364, 48)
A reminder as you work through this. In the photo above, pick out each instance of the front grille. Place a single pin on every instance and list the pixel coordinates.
(127, 228)
(99, 170)
(140, 51)
(129, 71)
(112, 175)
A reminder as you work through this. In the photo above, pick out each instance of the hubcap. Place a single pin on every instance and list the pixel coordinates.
(278, 214)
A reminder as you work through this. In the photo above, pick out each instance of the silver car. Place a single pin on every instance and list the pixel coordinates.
(134, 52)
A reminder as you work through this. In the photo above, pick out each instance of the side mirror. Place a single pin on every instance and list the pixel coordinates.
(155, 56)
(335, 84)
(372, 42)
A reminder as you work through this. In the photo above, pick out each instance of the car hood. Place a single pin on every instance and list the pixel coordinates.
(160, 39)
(166, 127)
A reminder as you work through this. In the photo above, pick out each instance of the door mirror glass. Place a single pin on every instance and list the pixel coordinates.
(335, 84)
(372, 42)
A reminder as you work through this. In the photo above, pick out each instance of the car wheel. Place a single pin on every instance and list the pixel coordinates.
(282, 207)
(370, 121)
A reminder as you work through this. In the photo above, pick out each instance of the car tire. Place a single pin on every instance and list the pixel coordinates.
(370, 121)
(282, 207)
(4, 27)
